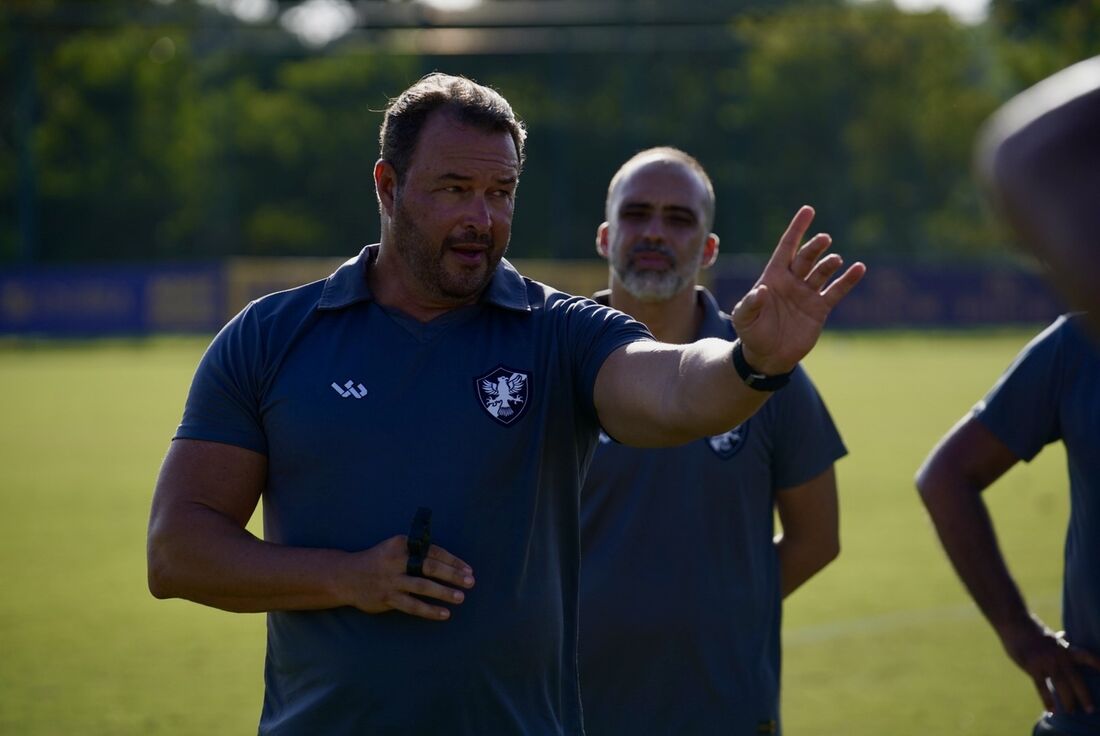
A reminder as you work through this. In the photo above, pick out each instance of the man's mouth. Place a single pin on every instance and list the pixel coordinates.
(469, 253)
(651, 260)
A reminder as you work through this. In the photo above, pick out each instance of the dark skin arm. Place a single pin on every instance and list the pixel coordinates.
(966, 462)
(199, 549)
(809, 514)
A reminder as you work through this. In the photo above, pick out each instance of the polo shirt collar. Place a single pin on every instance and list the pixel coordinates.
(348, 285)
(713, 324)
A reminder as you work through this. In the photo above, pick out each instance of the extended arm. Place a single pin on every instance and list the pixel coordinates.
(653, 394)
(809, 514)
(199, 548)
(951, 481)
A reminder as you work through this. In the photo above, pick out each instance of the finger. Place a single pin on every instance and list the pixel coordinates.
(809, 253)
(1044, 693)
(824, 271)
(440, 570)
(748, 309)
(432, 589)
(1072, 683)
(788, 244)
(406, 603)
(435, 552)
(847, 281)
(1085, 657)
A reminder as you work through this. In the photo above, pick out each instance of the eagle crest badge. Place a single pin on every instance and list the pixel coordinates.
(503, 393)
(727, 444)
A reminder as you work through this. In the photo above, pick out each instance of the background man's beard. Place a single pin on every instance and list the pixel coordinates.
(647, 285)
(651, 286)
(425, 260)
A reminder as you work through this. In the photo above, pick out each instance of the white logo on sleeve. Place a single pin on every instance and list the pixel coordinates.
(350, 389)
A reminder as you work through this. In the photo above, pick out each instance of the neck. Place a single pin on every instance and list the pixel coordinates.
(674, 321)
(392, 284)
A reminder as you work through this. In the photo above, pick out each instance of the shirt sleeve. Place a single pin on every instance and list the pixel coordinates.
(1022, 407)
(806, 440)
(594, 332)
(224, 402)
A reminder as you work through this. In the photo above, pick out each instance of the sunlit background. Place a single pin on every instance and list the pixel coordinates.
(162, 162)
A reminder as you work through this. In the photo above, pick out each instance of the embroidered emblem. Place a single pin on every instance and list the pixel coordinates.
(503, 393)
(728, 444)
(350, 389)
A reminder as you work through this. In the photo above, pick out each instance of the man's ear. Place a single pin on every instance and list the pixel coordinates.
(602, 239)
(385, 185)
(710, 251)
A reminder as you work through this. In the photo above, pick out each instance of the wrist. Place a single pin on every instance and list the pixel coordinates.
(754, 377)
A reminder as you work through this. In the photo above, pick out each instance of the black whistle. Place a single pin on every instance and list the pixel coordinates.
(419, 539)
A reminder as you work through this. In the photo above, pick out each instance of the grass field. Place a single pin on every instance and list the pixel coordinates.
(883, 642)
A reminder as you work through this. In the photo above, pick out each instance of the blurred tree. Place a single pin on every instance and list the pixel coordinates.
(866, 112)
(1039, 37)
(138, 129)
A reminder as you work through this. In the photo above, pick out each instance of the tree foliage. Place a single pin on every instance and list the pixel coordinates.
(143, 130)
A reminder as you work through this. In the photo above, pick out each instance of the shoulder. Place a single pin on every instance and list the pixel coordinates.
(281, 310)
(558, 304)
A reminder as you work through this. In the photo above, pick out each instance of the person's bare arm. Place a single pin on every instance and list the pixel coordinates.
(650, 394)
(951, 481)
(199, 548)
(809, 514)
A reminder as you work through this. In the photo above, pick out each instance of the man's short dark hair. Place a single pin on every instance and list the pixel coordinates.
(469, 102)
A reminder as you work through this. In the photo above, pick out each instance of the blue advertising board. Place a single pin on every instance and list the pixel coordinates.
(112, 300)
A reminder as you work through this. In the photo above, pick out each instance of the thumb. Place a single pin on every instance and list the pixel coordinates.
(748, 309)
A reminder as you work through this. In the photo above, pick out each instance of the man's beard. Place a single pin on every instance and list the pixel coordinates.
(648, 285)
(426, 261)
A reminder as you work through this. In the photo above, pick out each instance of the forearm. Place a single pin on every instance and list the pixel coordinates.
(203, 556)
(966, 532)
(713, 396)
(800, 560)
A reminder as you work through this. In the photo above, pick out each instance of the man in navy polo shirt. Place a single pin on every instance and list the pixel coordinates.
(681, 636)
(426, 372)
(1051, 392)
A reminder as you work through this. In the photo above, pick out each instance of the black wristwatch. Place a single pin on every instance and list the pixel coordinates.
(753, 378)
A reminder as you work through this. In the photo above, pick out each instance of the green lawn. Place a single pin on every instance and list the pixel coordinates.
(884, 641)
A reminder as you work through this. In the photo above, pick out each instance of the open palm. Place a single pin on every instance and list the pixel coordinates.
(780, 319)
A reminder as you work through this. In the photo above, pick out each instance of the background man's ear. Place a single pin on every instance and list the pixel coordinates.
(710, 251)
(602, 239)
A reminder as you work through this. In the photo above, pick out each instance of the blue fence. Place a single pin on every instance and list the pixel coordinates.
(127, 300)
(928, 296)
(112, 300)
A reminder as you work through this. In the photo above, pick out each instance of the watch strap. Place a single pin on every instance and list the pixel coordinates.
(753, 378)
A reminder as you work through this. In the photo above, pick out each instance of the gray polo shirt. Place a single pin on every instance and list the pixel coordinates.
(680, 594)
(1051, 392)
(485, 415)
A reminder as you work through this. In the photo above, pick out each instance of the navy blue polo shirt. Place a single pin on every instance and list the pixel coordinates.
(485, 415)
(680, 588)
(1051, 392)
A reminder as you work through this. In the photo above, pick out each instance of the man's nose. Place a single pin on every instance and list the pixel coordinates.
(477, 213)
(654, 230)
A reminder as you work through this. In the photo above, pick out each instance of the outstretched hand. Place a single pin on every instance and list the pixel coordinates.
(782, 316)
